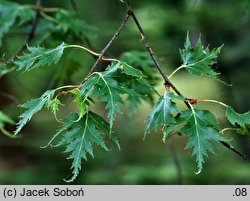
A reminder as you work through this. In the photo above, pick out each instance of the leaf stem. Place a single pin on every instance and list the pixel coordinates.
(50, 9)
(84, 48)
(91, 52)
(47, 17)
(228, 129)
(40, 8)
(68, 86)
(212, 101)
(176, 70)
(7, 133)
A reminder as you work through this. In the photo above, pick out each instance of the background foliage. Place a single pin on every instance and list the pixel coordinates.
(138, 162)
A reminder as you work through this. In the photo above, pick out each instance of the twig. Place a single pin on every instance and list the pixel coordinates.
(117, 33)
(167, 82)
(228, 146)
(176, 161)
(32, 31)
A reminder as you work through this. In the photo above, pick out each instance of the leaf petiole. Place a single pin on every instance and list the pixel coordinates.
(228, 129)
(176, 70)
(212, 101)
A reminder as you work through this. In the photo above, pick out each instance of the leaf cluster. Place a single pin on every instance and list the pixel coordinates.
(126, 82)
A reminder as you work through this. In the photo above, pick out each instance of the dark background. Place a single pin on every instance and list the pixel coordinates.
(139, 162)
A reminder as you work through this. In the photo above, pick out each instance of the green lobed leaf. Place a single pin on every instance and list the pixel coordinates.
(199, 60)
(162, 115)
(140, 60)
(81, 103)
(109, 91)
(202, 128)
(39, 57)
(53, 106)
(134, 79)
(107, 86)
(68, 21)
(31, 107)
(25, 14)
(236, 118)
(79, 137)
(9, 12)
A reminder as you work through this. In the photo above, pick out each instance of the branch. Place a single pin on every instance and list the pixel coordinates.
(32, 31)
(117, 33)
(167, 82)
(228, 146)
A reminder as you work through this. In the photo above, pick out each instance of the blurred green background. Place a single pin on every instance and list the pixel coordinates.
(140, 161)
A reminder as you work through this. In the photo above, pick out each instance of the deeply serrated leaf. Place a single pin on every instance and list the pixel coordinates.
(236, 118)
(8, 14)
(79, 137)
(53, 106)
(31, 107)
(25, 14)
(109, 92)
(9, 11)
(202, 128)
(199, 60)
(140, 60)
(140, 86)
(39, 57)
(68, 21)
(162, 115)
(109, 86)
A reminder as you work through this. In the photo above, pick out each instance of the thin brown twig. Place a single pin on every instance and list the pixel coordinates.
(32, 31)
(228, 146)
(167, 82)
(117, 33)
